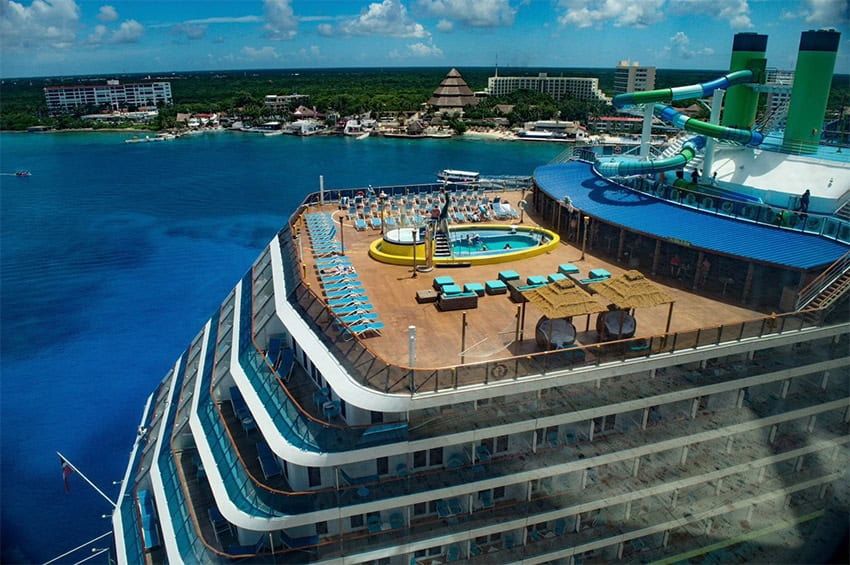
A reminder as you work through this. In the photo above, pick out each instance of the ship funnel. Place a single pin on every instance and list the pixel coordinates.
(739, 110)
(812, 81)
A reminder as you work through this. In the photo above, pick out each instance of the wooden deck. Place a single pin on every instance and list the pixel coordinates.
(491, 327)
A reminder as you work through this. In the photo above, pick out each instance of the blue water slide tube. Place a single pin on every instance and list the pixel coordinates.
(699, 90)
(681, 121)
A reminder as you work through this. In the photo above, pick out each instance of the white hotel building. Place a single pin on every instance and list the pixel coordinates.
(557, 87)
(112, 95)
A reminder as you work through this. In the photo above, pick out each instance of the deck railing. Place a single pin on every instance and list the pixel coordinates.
(829, 227)
(370, 369)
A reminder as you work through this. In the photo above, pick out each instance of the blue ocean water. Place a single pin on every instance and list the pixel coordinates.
(113, 255)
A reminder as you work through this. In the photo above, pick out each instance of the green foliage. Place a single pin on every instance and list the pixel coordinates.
(347, 91)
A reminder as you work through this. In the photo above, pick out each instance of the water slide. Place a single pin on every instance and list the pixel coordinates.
(679, 120)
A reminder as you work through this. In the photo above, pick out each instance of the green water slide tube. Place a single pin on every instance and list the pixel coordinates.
(635, 167)
(681, 121)
(700, 90)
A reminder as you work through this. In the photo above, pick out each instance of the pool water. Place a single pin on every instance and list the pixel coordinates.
(492, 241)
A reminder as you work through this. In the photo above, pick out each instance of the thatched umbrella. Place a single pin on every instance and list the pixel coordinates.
(563, 299)
(633, 290)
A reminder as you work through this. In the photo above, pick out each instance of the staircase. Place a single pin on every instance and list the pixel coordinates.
(441, 245)
(844, 211)
(825, 292)
(774, 119)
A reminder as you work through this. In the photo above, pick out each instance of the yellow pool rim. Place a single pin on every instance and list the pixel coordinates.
(489, 259)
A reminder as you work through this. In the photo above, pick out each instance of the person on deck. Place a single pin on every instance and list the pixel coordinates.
(804, 202)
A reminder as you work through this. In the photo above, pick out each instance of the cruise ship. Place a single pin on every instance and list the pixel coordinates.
(612, 365)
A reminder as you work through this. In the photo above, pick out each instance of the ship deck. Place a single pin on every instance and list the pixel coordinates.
(491, 329)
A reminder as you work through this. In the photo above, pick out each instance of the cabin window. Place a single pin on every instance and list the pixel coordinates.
(420, 508)
(499, 492)
(420, 459)
(377, 417)
(436, 456)
(501, 443)
(488, 443)
(321, 528)
(383, 466)
(314, 476)
(357, 521)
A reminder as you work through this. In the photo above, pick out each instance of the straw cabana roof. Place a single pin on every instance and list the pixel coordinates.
(632, 290)
(563, 299)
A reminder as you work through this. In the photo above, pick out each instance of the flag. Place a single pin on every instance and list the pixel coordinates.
(444, 214)
(66, 472)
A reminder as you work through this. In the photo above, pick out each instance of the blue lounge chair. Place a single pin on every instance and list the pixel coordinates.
(344, 285)
(268, 461)
(374, 523)
(354, 300)
(396, 521)
(375, 223)
(351, 309)
(365, 328)
(347, 293)
(354, 319)
(390, 222)
(240, 409)
(360, 224)
(333, 261)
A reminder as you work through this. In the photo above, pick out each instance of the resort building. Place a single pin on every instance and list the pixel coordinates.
(557, 87)
(453, 95)
(631, 77)
(284, 102)
(110, 96)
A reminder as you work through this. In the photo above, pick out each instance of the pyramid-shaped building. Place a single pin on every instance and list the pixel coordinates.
(453, 94)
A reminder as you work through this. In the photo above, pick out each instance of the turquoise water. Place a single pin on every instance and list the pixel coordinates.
(113, 255)
(490, 241)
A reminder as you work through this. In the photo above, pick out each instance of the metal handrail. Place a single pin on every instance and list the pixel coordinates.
(823, 281)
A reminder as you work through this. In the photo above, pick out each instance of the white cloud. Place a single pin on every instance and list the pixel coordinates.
(43, 23)
(281, 22)
(191, 31)
(325, 29)
(473, 13)
(830, 13)
(736, 12)
(445, 26)
(99, 34)
(424, 50)
(130, 31)
(226, 20)
(107, 14)
(389, 18)
(680, 46)
(620, 13)
(263, 54)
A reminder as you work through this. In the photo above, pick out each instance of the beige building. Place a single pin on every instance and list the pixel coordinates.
(631, 77)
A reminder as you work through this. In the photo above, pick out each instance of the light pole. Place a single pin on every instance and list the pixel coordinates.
(584, 237)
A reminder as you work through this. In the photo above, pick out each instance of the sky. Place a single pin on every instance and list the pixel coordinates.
(72, 37)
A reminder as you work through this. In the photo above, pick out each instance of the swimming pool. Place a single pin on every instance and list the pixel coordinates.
(495, 243)
(494, 240)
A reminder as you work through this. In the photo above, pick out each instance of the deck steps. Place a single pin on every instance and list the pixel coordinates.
(441, 245)
(830, 296)
(844, 211)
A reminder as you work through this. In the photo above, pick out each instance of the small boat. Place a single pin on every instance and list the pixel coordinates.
(364, 135)
(23, 173)
(450, 175)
